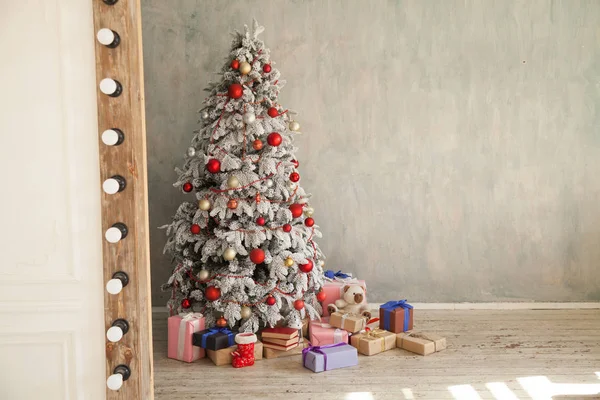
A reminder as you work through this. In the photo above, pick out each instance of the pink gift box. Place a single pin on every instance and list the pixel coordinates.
(321, 333)
(334, 290)
(181, 329)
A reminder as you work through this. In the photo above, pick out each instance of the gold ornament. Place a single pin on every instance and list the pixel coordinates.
(245, 68)
(229, 254)
(322, 263)
(294, 126)
(203, 275)
(233, 182)
(288, 262)
(246, 312)
(204, 205)
(309, 211)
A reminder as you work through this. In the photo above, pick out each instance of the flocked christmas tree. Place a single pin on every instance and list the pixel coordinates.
(244, 247)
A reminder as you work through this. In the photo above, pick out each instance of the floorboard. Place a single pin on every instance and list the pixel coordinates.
(492, 354)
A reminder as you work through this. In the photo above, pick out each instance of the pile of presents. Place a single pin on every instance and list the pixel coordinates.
(346, 329)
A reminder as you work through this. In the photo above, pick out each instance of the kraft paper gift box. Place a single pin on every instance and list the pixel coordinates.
(321, 333)
(421, 342)
(349, 322)
(214, 338)
(373, 342)
(396, 316)
(326, 358)
(180, 342)
(273, 353)
(334, 287)
(223, 356)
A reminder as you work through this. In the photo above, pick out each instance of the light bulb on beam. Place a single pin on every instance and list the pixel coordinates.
(120, 374)
(110, 39)
(114, 184)
(116, 232)
(111, 87)
(119, 328)
(113, 137)
(119, 280)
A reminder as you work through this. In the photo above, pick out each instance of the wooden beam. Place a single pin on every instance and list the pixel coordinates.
(124, 64)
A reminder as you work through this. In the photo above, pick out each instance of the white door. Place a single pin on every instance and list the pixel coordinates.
(51, 290)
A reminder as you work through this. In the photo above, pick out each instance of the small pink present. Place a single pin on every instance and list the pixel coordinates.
(321, 333)
(334, 289)
(181, 329)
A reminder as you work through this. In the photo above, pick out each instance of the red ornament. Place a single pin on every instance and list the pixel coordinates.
(257, 198)
(306, 267)
(213, 166)
(287, 228)
(186, 303)
(232, 204)
(235, 64)
(257, 256)
(221, 322)
(212, 293)
(187, 187)
(309, 222)
(260, 221)
(296, 163)
(195, 229)
(257, 144)
(274, 139)
(271, 300)
(321, 296)
(294, 177)
(267, 68)
(272, 112)
(235, 91)
(299, 305)
(296, 210)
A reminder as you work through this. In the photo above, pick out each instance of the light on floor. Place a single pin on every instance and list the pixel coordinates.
(464, 392)
(408, 394)
(500, 391)
(541, 388)
(359, 396)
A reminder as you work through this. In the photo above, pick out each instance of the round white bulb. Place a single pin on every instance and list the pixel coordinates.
(191, 152)
(111, 186)
(249, 118)
(114, 334)
(269, 183)
(114, 286)
(204, 114)
(110, 137)
(115, 381)
(108, 86)
(113, 235)
(105, 36)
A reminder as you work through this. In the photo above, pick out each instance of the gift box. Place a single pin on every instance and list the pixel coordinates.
(420, 342)
(223, 356)
(396, 316)
(373, 341)
(273, 353)
(349, 322)
(214, 338)
(334, 287)
(326, 358)
(180, 337)
(373, 323)
(321, 333)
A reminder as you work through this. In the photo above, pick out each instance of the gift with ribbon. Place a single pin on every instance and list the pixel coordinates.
(349, 322)
(396, 316)
(214, 338)
(180, 337)
(371, 342)
(420, 342)
(322, 333)
(326, 358)
(334, 289)
(329, 274)
(224, 357)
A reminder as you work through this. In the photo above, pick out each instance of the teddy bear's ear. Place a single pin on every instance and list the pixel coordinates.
(346, 288)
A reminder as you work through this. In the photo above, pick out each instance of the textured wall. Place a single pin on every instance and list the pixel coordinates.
(452, 147)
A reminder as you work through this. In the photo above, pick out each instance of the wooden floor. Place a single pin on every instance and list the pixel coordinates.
(497, 347)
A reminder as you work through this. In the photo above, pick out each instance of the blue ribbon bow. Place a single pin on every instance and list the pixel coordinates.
(391, 306)
(212, 331)
(333, 275)
(317, 349)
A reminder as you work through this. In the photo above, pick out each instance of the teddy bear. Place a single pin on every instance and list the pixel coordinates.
(352, 302)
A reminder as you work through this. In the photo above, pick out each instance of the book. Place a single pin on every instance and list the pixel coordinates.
(282, 342)
(279, 333)
(279, 347)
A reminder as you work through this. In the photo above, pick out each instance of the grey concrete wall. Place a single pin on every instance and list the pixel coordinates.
(452, 147)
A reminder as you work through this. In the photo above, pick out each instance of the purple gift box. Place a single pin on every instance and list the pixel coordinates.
(326, 358)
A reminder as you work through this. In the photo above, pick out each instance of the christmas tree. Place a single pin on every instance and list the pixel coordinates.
(244, 249)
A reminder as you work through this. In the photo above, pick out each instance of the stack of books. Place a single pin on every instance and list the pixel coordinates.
(283, 339)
